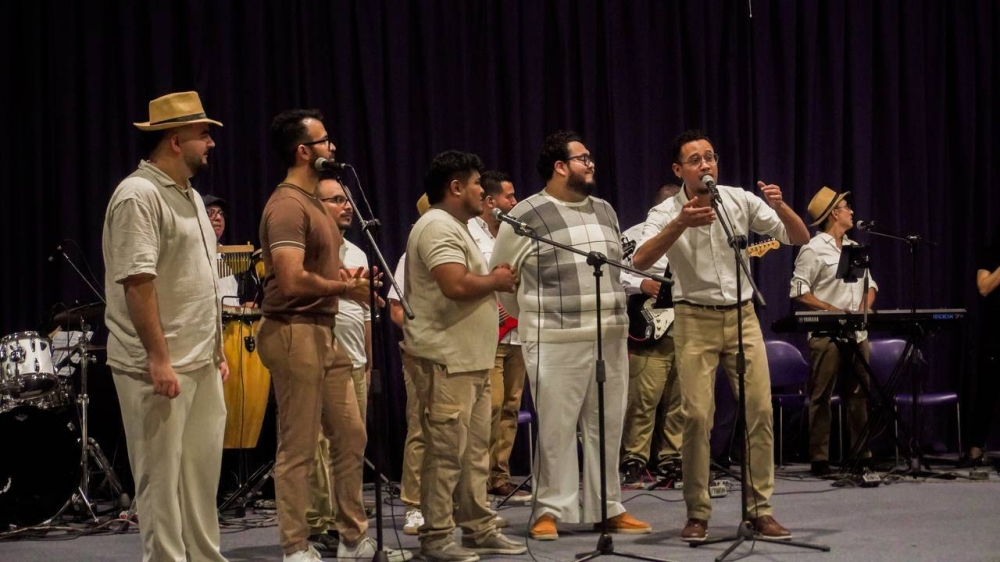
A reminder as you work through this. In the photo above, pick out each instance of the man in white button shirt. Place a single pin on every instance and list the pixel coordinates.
(815, 285)
(507, 374)
(685, 228)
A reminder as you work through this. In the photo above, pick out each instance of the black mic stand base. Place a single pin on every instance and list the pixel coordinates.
(606, 547)
(744, 533)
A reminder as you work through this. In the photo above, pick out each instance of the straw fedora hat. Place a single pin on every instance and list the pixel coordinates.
(175, 110)
(423, 204)
(823, 202)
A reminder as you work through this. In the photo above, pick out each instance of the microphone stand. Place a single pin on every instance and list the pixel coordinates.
(370, 229)
(605, 544)
(745, 530)
(917, 338)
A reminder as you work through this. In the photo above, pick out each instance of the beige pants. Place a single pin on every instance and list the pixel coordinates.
(507, 381)
(314, 389)
(652, 383)
(826, 364)
(456, 426)
(413, 448)
(175, 449)
(322, 514)
(704, 337)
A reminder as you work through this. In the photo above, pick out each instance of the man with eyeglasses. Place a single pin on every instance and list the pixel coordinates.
(559, 339)
(353, 332)
(685, 229)
(815, 286)
(309, 366)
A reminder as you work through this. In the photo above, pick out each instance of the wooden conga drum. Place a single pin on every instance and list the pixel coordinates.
(249, 381)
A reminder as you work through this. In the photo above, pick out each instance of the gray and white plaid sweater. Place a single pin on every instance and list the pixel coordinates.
(557, 291)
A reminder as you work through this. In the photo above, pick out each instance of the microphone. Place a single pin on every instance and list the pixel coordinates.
(59, 250)
(323, 164)
(502, 216)
(865, 225)
(709, 182)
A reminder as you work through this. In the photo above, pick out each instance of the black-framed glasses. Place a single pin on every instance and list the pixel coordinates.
(212, 213)
(584, 159)
(336, 200)
(318, 141)
(696, 159)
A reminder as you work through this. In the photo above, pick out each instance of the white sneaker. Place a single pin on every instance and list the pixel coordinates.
(365, 550)
(308, 555)
(414, 520)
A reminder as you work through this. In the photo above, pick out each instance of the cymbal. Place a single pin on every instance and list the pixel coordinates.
(70, 319)
(77, 346)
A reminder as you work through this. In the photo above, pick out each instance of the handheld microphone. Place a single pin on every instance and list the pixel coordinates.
(709, 182)
(502, 216)
(865, 225)
(323, 164)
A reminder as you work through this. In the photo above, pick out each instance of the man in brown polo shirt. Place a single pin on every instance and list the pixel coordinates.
(310, 370)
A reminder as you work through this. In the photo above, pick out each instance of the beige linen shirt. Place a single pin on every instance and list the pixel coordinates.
(461, 335)
(154, 226)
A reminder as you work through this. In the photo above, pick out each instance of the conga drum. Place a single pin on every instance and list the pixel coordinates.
(249, 381)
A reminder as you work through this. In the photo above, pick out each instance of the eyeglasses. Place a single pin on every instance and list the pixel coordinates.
(212, 213)
(319, 141)
(336, 200)
(696, 160)
(846, 205)
(584, 159)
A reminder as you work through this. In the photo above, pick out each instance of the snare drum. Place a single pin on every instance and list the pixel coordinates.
(26, 364)
(40, 464)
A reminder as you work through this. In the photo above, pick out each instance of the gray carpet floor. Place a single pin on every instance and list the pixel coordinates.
(909, 519)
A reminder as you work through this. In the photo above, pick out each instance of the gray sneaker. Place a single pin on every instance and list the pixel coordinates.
(447, 552)
(495, 543)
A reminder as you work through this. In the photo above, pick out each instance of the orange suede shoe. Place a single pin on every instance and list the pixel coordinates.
(626, 525)
(544, 529)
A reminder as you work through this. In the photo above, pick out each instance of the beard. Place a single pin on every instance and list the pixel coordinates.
(578, 183)
(196, 163)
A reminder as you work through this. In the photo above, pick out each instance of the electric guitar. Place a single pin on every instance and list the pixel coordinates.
(650, 318)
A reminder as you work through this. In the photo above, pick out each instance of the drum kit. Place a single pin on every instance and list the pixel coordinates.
(46, 465)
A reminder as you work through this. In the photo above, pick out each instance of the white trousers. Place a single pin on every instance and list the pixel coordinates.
(175, 449)
(564, 388)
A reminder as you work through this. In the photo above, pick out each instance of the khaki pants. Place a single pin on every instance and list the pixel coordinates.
(413, 448)
(322, 514)
(456, 426)
(564, 387)
(175, 449)
(826, 364)
(704, 337)
(652, 382)
(314, 389)
(507, 381)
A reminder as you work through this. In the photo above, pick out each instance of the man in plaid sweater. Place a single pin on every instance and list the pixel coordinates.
(556, 305)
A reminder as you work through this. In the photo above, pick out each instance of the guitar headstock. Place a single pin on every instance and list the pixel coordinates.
(760, 248)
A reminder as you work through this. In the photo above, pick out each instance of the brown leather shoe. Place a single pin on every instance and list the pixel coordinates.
(765, 526)
(696, 530)
(544, 529)
(626, 524)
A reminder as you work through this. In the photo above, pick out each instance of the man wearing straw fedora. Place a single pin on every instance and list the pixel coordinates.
(165, 333)
(815, 285)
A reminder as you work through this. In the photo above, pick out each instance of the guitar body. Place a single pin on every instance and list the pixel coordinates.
(650, 318)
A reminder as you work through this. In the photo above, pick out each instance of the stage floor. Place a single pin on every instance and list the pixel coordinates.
(908, 519)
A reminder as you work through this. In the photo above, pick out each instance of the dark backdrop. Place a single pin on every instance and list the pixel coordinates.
(892, 100)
